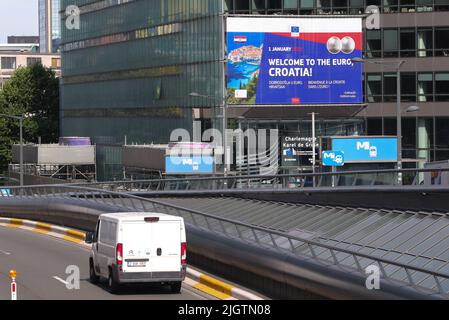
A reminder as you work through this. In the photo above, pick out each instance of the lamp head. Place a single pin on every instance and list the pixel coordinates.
(412, 109)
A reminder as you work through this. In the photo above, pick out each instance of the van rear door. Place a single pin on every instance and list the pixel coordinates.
(151, 246)
(137, 251)
(166, 246)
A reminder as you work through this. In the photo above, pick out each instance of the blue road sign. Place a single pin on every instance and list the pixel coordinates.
(333, 158)
(367, 149)
(189, 165)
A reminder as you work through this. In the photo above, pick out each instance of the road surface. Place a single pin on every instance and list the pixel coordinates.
(41, 263)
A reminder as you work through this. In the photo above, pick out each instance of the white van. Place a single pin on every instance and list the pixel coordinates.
(138, 248)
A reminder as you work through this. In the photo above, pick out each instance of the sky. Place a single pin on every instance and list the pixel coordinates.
(18, 18)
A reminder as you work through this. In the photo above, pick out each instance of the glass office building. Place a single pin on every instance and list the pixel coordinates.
(49, 26)
(128, 71)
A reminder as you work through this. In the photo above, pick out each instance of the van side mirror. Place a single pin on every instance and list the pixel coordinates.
(89, 237)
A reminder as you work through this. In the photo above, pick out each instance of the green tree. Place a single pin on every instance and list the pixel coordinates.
(34, 92)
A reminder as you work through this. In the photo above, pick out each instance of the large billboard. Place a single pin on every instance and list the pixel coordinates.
(294, 61)
(367, 149)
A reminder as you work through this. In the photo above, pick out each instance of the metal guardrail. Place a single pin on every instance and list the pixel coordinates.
(388, 177)
(436, 283)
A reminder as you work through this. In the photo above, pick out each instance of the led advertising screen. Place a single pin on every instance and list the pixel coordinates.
(294, 61)
(367, 149)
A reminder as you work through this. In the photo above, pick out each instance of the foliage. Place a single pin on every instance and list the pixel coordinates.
(33, 92)
(251, 88)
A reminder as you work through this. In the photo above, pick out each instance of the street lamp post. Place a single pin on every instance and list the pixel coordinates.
(20, 118)
(224, 124)
(397, 65)
(314, 114)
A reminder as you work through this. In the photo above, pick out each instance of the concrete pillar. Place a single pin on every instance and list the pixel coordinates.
(423, 143)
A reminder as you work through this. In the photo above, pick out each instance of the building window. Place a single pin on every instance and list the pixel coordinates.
(442, 133)
(441, 43)
(356, 7)
(374, 87)
(408, 42)
(306, 6)
(424, 5)
(291, 6)
(425, 42)
(407, 6)
(229, 5)
(31, 61)
(373, 44)
(390, 6)
(324, 6)
(377, 3)
(441, 5)
(374, 126)
(9, 63)
(408, 127)
(408, 87)
(441, 155)
(340, 6)
(425, 87)
(441, 86)
(390, 87)
(242, 6)
(390, 43)
(56, 63)
(390, 126)
(274, 6)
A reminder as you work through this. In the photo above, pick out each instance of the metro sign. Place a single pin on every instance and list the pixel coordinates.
(333, 158)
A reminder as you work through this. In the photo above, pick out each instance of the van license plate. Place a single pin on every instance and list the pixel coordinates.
(136, 264)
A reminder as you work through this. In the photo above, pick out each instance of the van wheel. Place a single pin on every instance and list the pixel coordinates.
(92, 275)
(176, 287)
(112, 284)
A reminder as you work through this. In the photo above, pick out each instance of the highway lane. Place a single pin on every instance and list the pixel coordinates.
(41, 263)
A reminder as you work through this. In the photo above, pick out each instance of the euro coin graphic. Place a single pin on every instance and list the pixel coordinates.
(347, 45)
(334, 45)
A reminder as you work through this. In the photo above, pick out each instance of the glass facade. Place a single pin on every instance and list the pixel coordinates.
(333, 6)
(415, 87)
(421, 42)
(49, 25)
(128, 71)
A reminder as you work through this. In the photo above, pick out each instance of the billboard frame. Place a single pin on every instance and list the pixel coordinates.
(225, 52)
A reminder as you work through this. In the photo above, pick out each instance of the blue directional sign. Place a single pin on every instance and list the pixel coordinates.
(333, 158)
(367, 149)
(189, 165)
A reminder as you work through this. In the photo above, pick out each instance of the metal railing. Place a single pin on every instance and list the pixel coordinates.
(410, 177)
(427, 281)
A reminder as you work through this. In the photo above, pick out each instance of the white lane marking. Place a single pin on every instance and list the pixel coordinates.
(5, 252)
(61, 280)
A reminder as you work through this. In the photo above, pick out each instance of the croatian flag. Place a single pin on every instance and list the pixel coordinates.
(240, 39)
(295, 32)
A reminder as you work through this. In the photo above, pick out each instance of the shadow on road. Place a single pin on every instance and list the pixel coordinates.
(134, 289)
